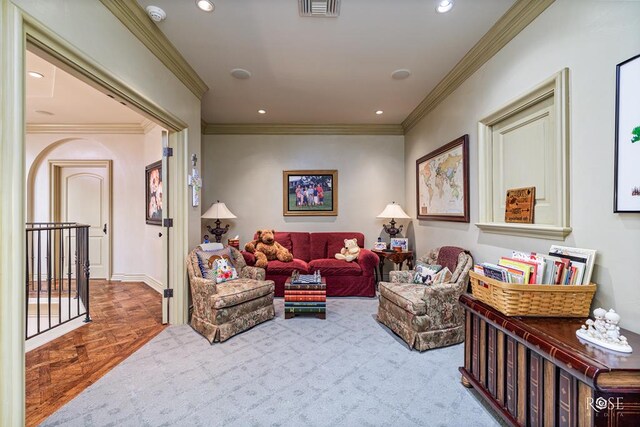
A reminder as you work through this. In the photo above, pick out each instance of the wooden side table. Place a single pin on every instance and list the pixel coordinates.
(397, 258)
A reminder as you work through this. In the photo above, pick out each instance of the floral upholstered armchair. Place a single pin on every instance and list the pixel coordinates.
(222, 310)
(427, 316)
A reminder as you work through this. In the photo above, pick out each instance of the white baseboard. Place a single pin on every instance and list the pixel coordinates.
(52, 334)
(147, 280)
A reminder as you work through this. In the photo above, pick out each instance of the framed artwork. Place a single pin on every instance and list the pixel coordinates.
(153, 193)
(442, 182)
(626, 192)
(310, 192)
(401, 242)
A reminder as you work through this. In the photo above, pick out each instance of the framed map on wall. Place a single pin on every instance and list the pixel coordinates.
(442, 182)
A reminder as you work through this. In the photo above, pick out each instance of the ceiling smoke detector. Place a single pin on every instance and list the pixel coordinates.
(156, 14)
(319, 8)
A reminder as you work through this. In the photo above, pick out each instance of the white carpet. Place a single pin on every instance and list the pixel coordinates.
(348, 370)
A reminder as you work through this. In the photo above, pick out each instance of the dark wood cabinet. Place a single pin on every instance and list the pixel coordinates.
(536, 372)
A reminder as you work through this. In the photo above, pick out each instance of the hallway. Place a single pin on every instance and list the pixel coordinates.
(125, 317)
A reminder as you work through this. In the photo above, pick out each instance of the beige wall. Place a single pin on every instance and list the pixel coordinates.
(129, 155)
(590, 38)
(245, 172)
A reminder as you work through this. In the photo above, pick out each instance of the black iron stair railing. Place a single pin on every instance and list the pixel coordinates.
(57, 275)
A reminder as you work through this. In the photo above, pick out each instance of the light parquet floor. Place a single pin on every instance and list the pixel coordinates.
(125, 317)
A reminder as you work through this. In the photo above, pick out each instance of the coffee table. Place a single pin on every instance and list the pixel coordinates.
(305, 298)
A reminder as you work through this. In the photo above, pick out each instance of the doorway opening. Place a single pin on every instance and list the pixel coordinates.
(85, 155)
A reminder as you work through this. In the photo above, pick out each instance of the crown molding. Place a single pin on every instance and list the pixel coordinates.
(91, 128)
(134, 17)
(147, 126)
(301, 129)
(516, 19)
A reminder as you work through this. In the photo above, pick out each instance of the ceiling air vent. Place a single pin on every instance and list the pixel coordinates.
(319, 8)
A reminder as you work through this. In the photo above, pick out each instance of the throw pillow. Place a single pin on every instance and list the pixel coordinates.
(223, 270)
(443, 276)
(424, 273)
(206, 260)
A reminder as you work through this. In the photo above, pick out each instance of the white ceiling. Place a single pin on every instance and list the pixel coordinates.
(322, 70)
(70, 100)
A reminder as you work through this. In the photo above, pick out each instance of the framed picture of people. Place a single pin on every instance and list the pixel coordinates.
(310, 192)
(153, 193)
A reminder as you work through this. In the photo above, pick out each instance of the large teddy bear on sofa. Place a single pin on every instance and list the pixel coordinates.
(265, 248)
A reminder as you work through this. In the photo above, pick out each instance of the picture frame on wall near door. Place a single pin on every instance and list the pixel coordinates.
(626, 194)
(153, 193)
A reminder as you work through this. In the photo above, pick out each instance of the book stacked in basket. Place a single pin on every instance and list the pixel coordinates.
(557, 284)
(305, 293)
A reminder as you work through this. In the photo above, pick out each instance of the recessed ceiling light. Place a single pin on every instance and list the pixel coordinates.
(261, 111)
(444, 6)
(401, 74)
(240, 73)
(379, 112)
(205, 5)
(35, 74)
(46, 113)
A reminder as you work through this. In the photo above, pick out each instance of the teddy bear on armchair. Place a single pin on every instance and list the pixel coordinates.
(265, 248)
(350, 251)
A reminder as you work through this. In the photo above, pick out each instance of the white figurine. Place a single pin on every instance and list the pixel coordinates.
(604, 331)
(599, 323)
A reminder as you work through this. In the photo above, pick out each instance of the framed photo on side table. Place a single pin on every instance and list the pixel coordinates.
(626, 192)
(153, 193)
(442, 182)
(380, 246)
(399, 242)
(310, 193)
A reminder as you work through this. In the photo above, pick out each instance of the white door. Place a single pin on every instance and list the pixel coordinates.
(84, 198)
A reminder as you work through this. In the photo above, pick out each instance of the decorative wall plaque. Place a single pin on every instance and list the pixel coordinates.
(519, 205)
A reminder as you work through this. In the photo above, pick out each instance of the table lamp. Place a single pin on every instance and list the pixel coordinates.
(218, 211)
(393, 211)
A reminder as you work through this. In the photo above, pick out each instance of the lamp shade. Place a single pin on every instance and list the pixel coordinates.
(393, 210)
(218, 211)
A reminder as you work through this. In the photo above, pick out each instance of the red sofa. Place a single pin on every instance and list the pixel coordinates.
(316, 251)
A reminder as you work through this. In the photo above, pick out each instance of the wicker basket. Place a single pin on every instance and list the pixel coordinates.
(533, 300)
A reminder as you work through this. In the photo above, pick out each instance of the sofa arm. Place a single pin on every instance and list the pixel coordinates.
(201, 292)
(368, 262)
(255, 273)
(401, 276)
(442, 304)
(249, 258)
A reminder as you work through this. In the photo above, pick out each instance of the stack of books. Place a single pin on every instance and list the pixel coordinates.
(305, 294)
(561, 266)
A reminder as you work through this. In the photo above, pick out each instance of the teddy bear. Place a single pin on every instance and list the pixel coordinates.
(265, 248)
(350, 251)
(223, 270)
